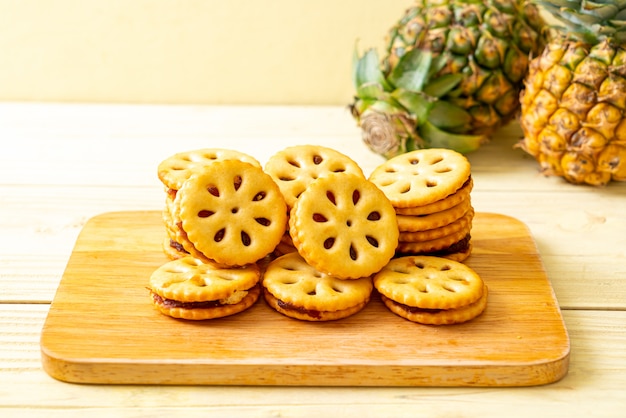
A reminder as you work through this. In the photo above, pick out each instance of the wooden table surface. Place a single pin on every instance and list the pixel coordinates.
(62, 164)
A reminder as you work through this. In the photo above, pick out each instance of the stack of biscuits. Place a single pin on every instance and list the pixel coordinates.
(430, 191)
(315, 237)
(295, 168)
(173, 172)
(222, 215)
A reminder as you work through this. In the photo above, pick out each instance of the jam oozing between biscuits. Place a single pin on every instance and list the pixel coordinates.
(415, 309)
(309, 312)
(170, 303)
(177, 246)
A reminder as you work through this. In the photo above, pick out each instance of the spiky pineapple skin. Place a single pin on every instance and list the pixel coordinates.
(573, 111)
(488, 41)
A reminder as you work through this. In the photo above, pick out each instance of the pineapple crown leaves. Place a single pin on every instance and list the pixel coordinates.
(590, 21)
(409, 89)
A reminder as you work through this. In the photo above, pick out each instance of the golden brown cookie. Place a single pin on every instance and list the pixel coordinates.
(413, 223)
(462, 224)
(439, 317)
(176, 169)
(190, 289)
(296, 289)
(232, 212)
(294, 168)
(173, 249)
(344, 226)
(433, 245)
(440, 205)
(421, 177)
(420, 285)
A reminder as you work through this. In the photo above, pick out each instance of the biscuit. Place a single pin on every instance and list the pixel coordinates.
(428, 282)
(459, 251)
(344, 226)
(421, 177)
(433, 245)
(294, 168)
(439, 317)
(232, 212)
(190, 289)
(459, 255)
(176, 169)
(440, 205)
(285, 246)
(414, 223)
(296, 289)
(462, 224)
(173, 249)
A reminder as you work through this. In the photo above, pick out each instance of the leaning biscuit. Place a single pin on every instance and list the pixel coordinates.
(421, 177)
(298, 290)
(190, 289)
(344, 226)
(294, 168)
(231, 212)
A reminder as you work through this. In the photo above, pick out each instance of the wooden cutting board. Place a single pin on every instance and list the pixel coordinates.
(102, 328)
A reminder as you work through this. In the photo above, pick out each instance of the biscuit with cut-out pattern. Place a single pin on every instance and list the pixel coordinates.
(344, 226)
(421, 177)
(294, 168)
(231, 212)
(429, 282)
(187, 288)
(296, 289)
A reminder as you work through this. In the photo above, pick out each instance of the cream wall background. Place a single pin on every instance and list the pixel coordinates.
(187, 51)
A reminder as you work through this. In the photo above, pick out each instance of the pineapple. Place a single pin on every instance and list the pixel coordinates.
(573, 106)
(451, 76)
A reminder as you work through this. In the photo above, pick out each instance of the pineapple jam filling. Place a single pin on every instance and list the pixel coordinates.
(177, 246)
(313, 313)
(171, 303)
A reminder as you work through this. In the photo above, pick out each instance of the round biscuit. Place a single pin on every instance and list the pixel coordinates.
(294, 168)
(440, 317)
(292, 280)
(429, 282)
(422, 176)
(232, 212)
(344, 226)
(177, 168)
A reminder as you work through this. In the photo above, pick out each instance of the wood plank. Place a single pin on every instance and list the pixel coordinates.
(592, 387)
(101, 327)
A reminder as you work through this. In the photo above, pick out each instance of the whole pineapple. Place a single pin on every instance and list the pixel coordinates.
(451, 76)
(574, 102)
